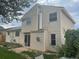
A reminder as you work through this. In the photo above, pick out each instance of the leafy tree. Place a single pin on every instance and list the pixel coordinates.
(9, 8)
(72, 43)
(71, 47)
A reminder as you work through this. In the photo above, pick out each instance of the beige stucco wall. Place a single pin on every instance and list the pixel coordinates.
(29, 28)
(66, 24)
(21, 41)
(34, 21)
(12, 36)
(51, 27)
(38, 45)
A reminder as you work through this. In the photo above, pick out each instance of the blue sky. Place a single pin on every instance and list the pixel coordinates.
(72, 7)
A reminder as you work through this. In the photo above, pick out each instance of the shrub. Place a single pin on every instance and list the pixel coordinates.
(11, 45)
(32, 53)
(60, 52)
(70, 44)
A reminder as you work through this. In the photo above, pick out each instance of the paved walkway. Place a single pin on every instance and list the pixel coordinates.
(19, 50)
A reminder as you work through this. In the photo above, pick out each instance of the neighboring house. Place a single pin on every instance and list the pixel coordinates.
(2, 34)
(13, 34)
(43, 27)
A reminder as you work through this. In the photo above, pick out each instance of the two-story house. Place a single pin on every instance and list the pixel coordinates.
(43, 27)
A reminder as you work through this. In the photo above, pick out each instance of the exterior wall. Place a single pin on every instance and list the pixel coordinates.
(66, 24)
(2, 36)
(51, 27)
(34, 21)
(21, 41)
(35, 44)
(55, 27)
(31, 27)
(11, 37)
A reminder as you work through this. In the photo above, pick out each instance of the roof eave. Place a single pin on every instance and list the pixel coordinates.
(68, 15)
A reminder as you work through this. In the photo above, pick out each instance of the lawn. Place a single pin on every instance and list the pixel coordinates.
(5, 54)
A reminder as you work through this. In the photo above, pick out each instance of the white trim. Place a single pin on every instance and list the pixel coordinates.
(40, 21)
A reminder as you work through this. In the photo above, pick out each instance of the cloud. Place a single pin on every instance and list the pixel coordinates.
(12, 24)
(49, 2)
(75, 0)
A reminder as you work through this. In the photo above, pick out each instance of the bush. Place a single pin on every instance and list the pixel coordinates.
(71, 47)
(61, 50)
(32, 53)
(69, 52)
(10, 45)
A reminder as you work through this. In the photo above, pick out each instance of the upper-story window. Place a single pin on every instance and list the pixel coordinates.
(53, 16)
(17, 33)
(8, 33)
(28, 20)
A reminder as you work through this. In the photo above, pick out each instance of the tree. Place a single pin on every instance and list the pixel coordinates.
(72, 43)
(71, 46)
(70, 50)
(9, 8)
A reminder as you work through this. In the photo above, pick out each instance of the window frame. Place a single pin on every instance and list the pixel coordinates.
(8, 33)
(17, 34)
(53, 17)
(53, 39)
(28, 20)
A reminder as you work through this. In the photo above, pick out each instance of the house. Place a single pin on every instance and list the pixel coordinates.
(13, 34)
(2, 34)
(43, 27)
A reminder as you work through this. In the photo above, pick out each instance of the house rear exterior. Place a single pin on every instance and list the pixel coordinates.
(13, 34)
(43, 27)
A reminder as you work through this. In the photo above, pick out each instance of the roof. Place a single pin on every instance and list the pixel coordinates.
(68, 15)
(2, 28)
(13, 29)
(61, 8)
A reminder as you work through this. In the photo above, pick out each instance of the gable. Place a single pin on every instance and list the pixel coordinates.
(29, 11)
(32, 8)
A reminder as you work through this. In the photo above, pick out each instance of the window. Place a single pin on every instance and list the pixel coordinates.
(17, 33)
(8, 33)
(27, 39)
(53, 17)
(53, 39)
(28, 20)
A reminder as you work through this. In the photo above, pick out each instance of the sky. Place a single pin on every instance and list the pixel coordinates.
(72, 6)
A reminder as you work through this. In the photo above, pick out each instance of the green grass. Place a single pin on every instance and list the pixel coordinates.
(5, 54)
